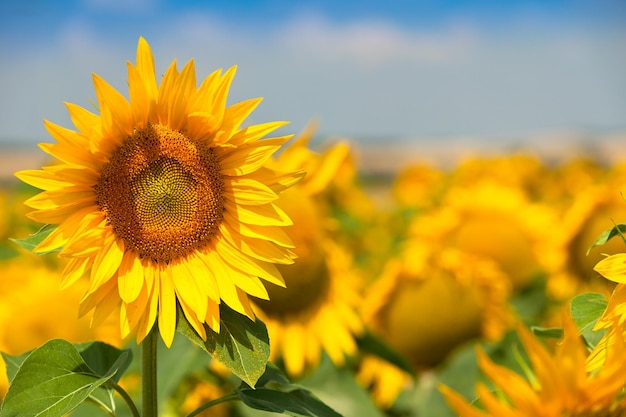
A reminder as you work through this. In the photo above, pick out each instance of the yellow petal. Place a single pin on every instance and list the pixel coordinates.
(130, 277)
(248, 191)
(273, 234)
(613, 268)
(107, 260)
(263, 215)
(188, 290)
(146, 69)
(120, 124)
(255, 132)
(86, 122)
(167, 307)
(75, 268)
(248, 158)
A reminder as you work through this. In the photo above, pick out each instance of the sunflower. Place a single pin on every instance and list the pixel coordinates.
(317, 311)
(568, 265)
(559, 385)
(165, 200)
(427, 303)
(28, 288)
(493, 221)
(523, 170)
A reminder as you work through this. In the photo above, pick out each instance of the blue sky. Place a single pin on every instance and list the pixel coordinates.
(364, 69)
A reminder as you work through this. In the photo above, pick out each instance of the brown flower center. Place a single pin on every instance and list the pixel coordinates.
(162, 193)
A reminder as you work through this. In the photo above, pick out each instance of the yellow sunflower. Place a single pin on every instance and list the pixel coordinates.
(523, 170)
(427, 303)
(493, 221)
(165, 200)
(569, 267)
(559, 385)
(317, 311)
(29, 288)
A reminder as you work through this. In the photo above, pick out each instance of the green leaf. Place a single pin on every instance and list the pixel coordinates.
(369, 343)
(339, 389)
(101, 357)
(274, 393)
(298, 402)
(31, 241)
(242, 345)
(53, 380)
(13, 363)
(586, 309)
(617, 230)
(547, 333)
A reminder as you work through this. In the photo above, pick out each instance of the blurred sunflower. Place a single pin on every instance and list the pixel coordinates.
(418, 186)
(525, 171)
(30, 288)
(164, 198)
(493, 221)
(558, 386)
(569, 267)
(427, 303)
(317, 311)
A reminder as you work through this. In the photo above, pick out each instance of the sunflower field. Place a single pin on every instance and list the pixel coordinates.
(277, 275)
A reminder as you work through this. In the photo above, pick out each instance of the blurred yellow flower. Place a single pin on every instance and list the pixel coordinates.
(522, 170)
(559, 385)
(317, 311)
(418, 186)
(33, 311)
(164, 198)
(427, 303)
(569, 267)
(493, 221)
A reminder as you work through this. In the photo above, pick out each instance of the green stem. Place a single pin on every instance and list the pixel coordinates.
(228, 397)
(149, 374)
(125, 397)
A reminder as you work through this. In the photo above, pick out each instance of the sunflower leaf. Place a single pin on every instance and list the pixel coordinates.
(586, 309)
(54, 379)
(274, 393)
(31, 241)
(297, 402)
(242, 345)
(617, 230)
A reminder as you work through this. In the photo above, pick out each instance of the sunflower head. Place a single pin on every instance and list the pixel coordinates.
(425, 303)
(493, 221)
(164, 200)
(317, 311)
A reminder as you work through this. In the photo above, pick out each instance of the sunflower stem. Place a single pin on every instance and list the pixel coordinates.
(149, 374)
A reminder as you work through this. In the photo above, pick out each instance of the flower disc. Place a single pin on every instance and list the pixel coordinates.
(162, 194)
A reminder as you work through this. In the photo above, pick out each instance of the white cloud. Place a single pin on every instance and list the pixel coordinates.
(372, 43)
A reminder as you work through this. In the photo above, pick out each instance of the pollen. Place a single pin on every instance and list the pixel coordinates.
(162, 194)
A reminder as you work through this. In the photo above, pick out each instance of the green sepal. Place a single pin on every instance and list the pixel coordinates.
(55, 378)
(586, 309)
(547, 332)
(30, 242)
(617, 230)
(242, 345)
